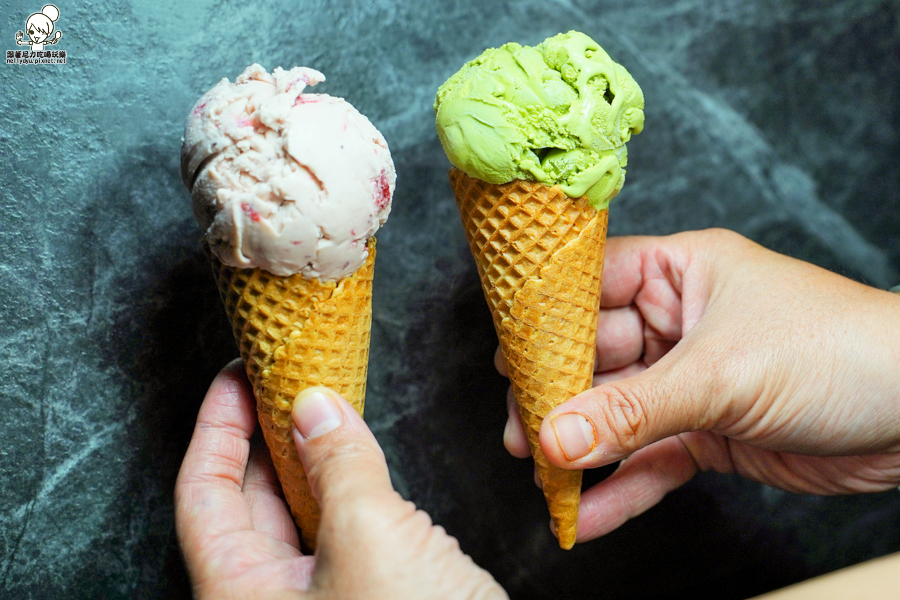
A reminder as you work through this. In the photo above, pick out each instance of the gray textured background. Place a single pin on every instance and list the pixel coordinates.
(775, 118)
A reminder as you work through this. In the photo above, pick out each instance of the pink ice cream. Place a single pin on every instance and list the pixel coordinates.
(283, 180)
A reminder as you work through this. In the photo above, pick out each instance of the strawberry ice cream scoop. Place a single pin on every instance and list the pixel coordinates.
(283, 180)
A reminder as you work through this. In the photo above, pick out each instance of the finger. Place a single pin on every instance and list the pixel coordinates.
(263, 494)
(638, 484)
(659, 302)
(620, 338)
(622, 273)
(631, 262)
(275, 579)
(208, 498)
(342, 459)
(624, 373)
(500, 363)
(626, 264)
(611, 421)
(514, 438)
(656, 347)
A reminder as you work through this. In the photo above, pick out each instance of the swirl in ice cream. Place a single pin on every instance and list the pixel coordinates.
(286, 181)
(558, 113)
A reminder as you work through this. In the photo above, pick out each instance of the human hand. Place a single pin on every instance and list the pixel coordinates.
(237, 535)
(714, 353)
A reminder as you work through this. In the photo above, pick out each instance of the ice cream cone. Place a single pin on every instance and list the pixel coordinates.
(294, 333)
(540, 258)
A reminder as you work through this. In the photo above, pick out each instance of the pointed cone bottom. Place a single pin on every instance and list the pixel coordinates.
(294, 333)
(540, 258)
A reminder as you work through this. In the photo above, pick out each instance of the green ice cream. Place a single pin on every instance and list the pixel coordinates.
(558, 113)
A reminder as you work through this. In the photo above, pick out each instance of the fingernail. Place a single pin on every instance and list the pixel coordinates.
(315, 412)
(574, 434)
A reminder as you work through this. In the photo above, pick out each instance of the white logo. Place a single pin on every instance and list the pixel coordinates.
(40, 26)
(40, 29)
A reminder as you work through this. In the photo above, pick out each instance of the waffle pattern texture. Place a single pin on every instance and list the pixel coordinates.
(294, 333)
(540, 258)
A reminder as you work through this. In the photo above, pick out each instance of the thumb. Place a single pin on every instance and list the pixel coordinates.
(611, 421)
(341, 457)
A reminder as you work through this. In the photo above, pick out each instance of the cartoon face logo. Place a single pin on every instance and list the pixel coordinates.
(40, 27)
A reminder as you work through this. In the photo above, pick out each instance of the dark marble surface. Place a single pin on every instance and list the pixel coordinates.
(778, 119)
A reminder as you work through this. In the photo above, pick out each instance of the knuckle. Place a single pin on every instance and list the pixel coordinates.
(410, 519)
(336, 458)
(347, 450)
(724, 243)
(625, 417)
(718, 234)
(369, 519)
(358, 512)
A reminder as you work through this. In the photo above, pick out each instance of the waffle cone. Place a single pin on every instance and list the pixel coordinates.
(294, 333)
(540, 258)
